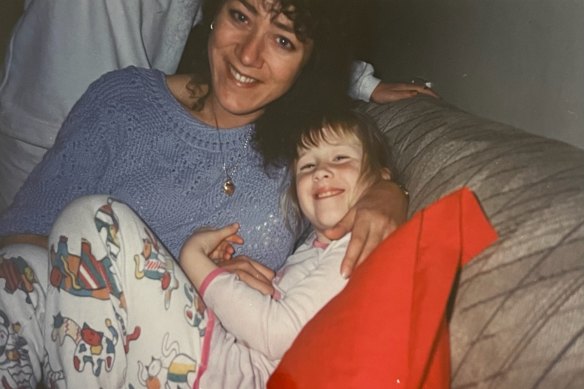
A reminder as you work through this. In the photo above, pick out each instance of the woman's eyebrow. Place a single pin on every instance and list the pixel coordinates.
(249, 6)
(283, 26)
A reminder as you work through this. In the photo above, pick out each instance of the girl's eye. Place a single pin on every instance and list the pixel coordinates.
(305, 167)
(238, 16)
(339, 158)
(285, 43)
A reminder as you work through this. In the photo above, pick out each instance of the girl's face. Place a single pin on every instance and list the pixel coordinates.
(254, 56)
(328, 180)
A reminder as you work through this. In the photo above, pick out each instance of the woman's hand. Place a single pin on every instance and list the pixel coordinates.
(37, 240)
(387, 92)
(253, 273)
(378, 213)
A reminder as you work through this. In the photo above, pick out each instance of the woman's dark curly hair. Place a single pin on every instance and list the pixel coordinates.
(322, 83)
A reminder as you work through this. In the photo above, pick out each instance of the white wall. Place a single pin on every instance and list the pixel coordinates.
(519, 62)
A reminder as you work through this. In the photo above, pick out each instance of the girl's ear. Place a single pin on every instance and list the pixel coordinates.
(386, 174)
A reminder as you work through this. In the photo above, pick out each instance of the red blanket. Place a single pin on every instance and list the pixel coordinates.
(388, 327)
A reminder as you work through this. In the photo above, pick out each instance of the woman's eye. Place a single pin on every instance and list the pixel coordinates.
(285, 43)
(238, 16)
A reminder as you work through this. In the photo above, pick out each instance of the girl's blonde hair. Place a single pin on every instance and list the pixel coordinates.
(375, 165)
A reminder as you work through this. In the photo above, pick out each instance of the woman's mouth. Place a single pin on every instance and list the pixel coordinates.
(243, 79)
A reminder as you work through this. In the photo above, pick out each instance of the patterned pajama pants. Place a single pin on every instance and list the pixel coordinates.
(107, 306)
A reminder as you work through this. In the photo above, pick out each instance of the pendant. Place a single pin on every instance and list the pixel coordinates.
(228, 187)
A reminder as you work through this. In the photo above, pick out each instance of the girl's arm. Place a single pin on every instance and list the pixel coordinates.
(270, 324)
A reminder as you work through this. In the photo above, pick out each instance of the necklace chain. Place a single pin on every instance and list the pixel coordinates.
(228, 184)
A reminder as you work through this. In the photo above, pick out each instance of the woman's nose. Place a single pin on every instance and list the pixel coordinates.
(250, 49)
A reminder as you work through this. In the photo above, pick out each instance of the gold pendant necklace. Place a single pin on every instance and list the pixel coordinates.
(228, 184)
(228, 187)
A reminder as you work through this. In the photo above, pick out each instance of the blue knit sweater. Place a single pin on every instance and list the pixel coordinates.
(129, 137)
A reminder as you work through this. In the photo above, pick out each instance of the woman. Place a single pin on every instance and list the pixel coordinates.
(183, 154)
(43, 61)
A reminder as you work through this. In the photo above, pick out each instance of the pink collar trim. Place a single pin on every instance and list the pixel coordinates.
(318, 244)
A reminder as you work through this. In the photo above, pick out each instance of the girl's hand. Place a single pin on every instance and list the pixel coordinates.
(195, 254)
(378, 213)
(216, 244)
(253, 273)
(224, 251)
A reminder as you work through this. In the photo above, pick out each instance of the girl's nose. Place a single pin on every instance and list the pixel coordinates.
(321, 172)
(251, 49)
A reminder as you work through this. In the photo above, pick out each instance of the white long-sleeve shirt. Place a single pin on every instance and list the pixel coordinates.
(248, 332)
(58, 48)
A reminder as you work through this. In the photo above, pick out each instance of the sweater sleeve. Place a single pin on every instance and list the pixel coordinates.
(363, 82)
(268, 325)
(71, 168)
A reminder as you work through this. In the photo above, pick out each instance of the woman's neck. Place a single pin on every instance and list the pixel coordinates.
(212, 112)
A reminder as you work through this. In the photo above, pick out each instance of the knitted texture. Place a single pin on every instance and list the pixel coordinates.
(128, 137)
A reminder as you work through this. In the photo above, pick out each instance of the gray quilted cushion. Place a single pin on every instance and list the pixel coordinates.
(518, 316)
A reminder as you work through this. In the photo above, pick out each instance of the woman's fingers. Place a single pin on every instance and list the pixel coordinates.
(390, 92)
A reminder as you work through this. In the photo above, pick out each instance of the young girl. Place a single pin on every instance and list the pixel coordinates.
(336, 160)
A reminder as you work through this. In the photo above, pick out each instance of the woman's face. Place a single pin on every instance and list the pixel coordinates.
(255, 57)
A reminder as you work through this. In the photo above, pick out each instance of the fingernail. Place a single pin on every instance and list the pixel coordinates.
(345, 274)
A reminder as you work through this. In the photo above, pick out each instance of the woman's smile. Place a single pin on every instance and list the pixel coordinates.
(241, 78)
(255, 58)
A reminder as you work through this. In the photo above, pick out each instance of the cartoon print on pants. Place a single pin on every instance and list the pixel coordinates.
(126, 337)
(51, 377)
(195, 311)
(172, 370)
(18, 275)
(91, 346)
(83, 275)
(108, 226)
(15, 364)
(154, 263)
